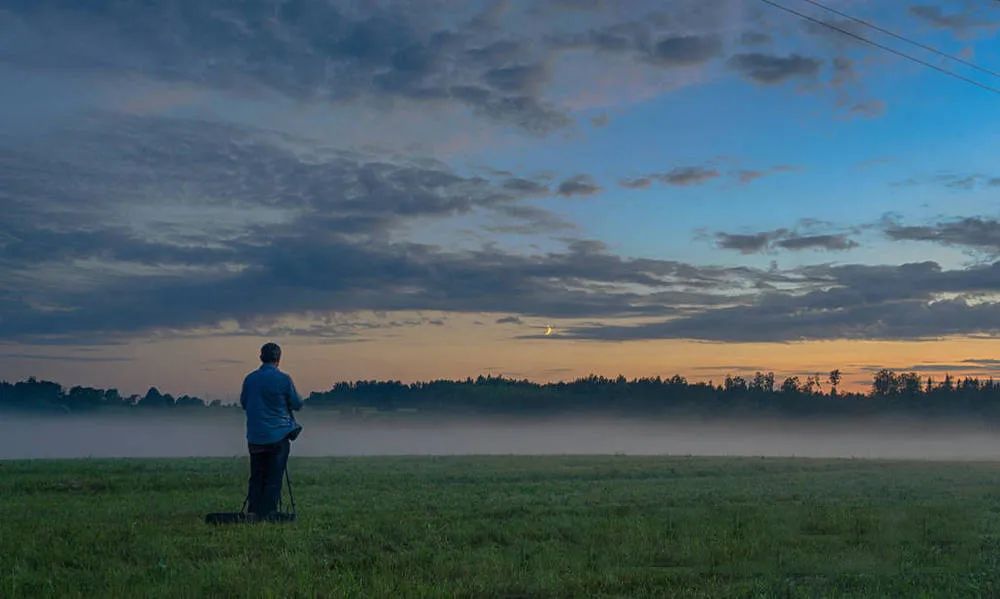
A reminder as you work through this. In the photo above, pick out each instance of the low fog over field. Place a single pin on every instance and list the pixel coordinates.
(179, 435)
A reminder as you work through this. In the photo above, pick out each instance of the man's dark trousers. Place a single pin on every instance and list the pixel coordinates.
(267, 467)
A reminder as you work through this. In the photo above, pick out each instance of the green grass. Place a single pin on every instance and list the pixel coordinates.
(506, 526)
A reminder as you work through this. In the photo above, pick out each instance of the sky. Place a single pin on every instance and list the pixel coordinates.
(422, 190)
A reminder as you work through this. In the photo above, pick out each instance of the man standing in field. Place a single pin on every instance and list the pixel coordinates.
(268, 397)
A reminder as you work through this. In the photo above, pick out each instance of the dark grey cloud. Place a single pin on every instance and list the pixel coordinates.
(817, 242)
(868, 108)
(963, 366)
(959, 23)
(525, 186)
(771, 69)
(64, 357)
(303, 275)
(967, 181)
(529, 220)
(38, 244)
(493, 58)
(686, 35)
(973, 232)
(621, 38)
(849, 90)
(518, 79)
(578, 185)
(982, 361)
(303, 267)
(72, 191)
(305, 50)
(492, 15)
(843, 71)
(750, 175)
(734, 367)
(330, 328)
(687, 175)
(678, 176)
(755, 38)
(857, 302)
(685, 50)
(579, 4)
(510, 320)
(746, 243)
(752, 243)
(636, 183)
(304, 230)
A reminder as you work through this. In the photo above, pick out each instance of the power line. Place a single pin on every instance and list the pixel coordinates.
(883, 46)
(905, 39)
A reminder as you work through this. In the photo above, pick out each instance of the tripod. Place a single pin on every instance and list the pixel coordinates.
(280, 514)
(242, 516)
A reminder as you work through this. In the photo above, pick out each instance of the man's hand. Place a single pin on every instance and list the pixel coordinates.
(294, 400)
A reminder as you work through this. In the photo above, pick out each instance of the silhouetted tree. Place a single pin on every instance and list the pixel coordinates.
(735, 384)
(790, 385)
(885, 383)
(834, 379)
(909, 384)
(155, 399)
(85, 398)
(186, 401)
(762, 383)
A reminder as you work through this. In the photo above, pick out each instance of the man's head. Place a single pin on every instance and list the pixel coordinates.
(270, 353)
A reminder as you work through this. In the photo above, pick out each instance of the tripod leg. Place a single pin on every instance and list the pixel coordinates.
(291, 498)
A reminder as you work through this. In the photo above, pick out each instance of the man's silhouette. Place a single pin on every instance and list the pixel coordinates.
(268, 397)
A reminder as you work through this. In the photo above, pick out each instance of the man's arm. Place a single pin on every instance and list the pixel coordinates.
(294, 401)
(243, 395)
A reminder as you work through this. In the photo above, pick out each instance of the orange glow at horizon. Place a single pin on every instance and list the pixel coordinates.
(213, 367)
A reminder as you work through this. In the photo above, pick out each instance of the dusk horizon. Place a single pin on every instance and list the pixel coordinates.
(414, 191)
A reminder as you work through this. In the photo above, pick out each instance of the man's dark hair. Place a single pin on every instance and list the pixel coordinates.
(270, 353)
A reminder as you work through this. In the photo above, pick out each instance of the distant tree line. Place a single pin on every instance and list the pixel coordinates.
(760, 394)
(33, 394)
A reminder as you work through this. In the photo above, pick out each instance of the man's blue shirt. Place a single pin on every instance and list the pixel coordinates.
(269, 396)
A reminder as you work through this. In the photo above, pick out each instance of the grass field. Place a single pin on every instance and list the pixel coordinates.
(506, 526)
